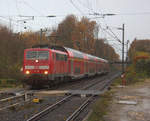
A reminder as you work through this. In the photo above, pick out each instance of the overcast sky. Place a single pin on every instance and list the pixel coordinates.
(135, 14)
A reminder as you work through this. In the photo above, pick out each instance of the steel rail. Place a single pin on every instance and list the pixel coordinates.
(85, 104)
(11, 98)
(17, 96)
(45, 111)
(40, 114)
(91, 85)
(77, 112)
(14, 98)
(110, 81)
(15, 104)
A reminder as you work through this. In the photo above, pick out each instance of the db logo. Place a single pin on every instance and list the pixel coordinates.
(36, 67)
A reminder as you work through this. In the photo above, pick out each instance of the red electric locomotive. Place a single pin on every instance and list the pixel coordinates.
(48, 65)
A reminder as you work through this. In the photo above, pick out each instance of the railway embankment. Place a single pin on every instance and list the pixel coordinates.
(128, 103)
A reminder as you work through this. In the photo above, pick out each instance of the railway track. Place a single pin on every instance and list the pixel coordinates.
(4, 95)
(82, 107)
(84, 102)
(77, 112)
(12, 101)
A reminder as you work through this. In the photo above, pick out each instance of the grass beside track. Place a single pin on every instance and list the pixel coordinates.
(9, 83)
(100, 108)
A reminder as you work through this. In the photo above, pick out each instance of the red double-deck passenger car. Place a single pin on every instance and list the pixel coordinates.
(48, 65)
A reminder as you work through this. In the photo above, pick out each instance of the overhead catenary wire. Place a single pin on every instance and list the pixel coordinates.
(76, 6)
(109, 32)
(116, 48)
(18, 10)
(27, 4)
(101, 15)
(134, 14)
(105, 30)
(8, 21)
(85, 5)
(114, 34)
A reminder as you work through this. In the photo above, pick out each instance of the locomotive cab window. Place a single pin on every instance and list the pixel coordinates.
(42, 55)
(31, 55)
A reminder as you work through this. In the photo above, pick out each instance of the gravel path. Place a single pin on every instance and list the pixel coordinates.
(123, 112)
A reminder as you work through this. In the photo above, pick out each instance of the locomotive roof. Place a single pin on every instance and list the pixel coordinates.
(70, 51)
(54, 47)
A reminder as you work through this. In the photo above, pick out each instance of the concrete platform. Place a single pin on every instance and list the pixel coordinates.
(51, 93)
(68, 92)
(84, 92)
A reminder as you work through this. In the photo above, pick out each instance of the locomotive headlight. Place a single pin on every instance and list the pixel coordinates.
(45, 72)
(36, 61)
(27, 72)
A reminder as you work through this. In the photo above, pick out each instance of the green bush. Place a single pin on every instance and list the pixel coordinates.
(138, 71)
(142, 66)
(11, 81)
(8, 82)
(131, 78)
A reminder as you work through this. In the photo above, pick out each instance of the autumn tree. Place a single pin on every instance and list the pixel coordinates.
(139, 46)
(139, 55)
(33, 38)
(85, 29)
(105, 51)
(71, 32)
(11, 53)
(76, 34)
(82, 35)
(65, 30)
